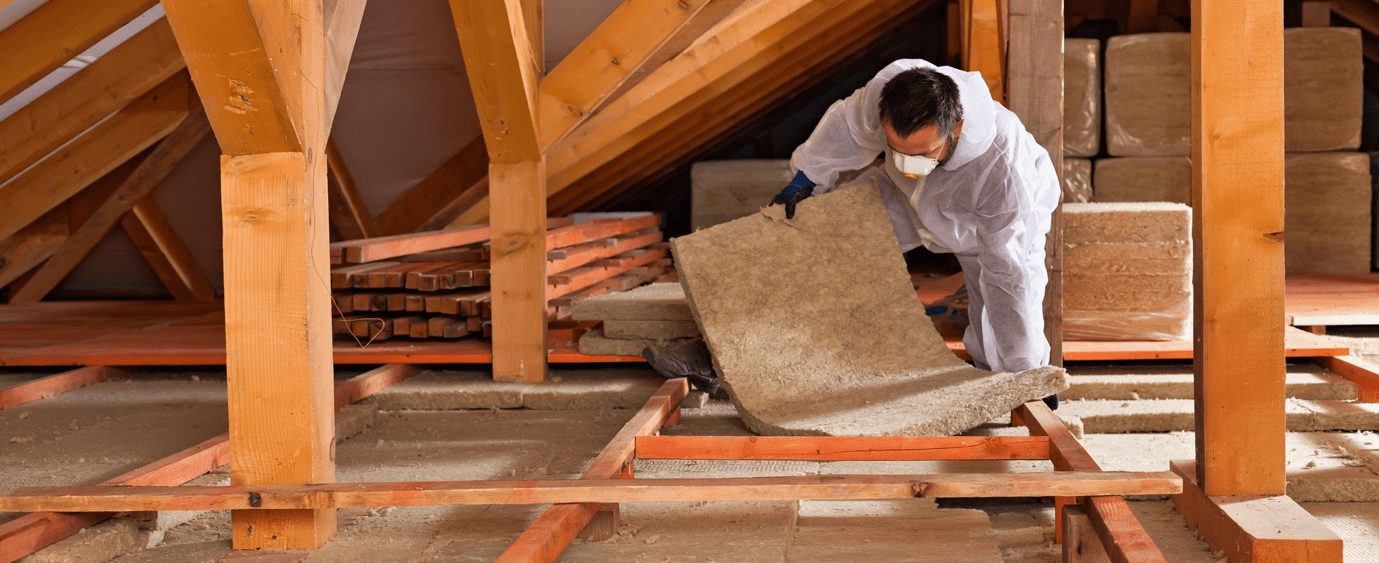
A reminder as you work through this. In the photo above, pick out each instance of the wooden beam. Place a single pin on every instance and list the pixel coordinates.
(1237, 223)
(519, 270)
(1361, 13)
(1254, 528)
(635, 39)
(348, 212)
(559, 524)
(151, 172)
(564, 491)
(1036, 96)
(1122, 536)
(100, 150)
(342, 29)
(503, 75)
(229, 61)
(1364, 373)
(52, 385)
(281, 427)
(360, 386)
(165, 252)
(53, 34)
(850, 448)
(1080, 541)
(983, 51)
(115, 79)
(455, 186)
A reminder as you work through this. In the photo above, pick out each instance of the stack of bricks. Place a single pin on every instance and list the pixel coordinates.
(656, 314)
(1127, 271)
(445, 293)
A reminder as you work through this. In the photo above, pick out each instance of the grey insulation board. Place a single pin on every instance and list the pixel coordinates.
(816, 329)
(654, 302)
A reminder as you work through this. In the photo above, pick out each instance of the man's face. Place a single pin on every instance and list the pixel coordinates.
(923, 142)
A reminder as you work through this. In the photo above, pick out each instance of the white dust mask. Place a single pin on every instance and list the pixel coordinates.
(913, 166)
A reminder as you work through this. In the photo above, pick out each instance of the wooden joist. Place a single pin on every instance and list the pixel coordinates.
(1122, 535)
(48, 386)
(54, 33)
(342, 20)
(843, 448)
(100, 150)
(1364, 373)
(110, 82)
(565, 491)
(148, 175)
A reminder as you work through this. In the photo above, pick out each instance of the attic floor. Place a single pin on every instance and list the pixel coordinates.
(90, 434)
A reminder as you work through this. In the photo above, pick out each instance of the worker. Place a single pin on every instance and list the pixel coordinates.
(960, 175)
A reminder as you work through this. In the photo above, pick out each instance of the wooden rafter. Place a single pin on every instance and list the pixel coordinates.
(229, 62)
(635, 39)
(128, 71)
(148, 228)
(56, 32)
(754, 81)
(100, 150)
(342, 29)
(457, 185)
(150, 173)
(348, 212)
(503, 75)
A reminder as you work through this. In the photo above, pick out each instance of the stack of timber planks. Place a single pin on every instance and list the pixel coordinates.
(1328, 185)
(437, 284)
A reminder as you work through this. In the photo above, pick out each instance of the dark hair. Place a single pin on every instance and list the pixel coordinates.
(918, 97)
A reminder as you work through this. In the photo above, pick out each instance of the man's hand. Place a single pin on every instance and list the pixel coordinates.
(799, 189)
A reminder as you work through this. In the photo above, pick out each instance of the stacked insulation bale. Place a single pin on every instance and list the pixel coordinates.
(1328, 189)
(655, 314)
(1081, 116)
(1127, 271)
(728, 189)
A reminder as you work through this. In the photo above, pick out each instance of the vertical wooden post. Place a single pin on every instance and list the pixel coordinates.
(1035, 82)
(503, 73)
(260, 70)
(517, 198)
(277, 339)
(1237, 223)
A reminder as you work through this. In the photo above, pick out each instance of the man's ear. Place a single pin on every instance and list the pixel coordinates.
(957, 130)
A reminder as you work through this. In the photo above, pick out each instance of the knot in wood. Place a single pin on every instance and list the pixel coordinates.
(1276, 236)
(509, 244)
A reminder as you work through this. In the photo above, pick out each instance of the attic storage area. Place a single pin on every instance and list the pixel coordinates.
(366, 256)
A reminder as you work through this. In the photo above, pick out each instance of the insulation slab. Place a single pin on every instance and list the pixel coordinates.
(1327, 213)
(615, 328)
(1081, 97)
(654, 302)
(815, 327)
(1148, 92)
(1077, 180)
(1127, 272)
(1146, 178)
(1176, 415)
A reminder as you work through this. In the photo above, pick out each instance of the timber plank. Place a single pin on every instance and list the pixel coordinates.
(573, 257)
(387, 247)
(564, 491)
(848, 448)
(1332, 300)
(1364, 373)
(602, 228)
(52, 385)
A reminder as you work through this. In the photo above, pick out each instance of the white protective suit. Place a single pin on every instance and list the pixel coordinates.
(991, 204)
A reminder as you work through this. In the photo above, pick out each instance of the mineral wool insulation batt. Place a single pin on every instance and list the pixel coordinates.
(816, 329)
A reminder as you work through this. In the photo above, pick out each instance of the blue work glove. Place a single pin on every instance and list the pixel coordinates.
(800, 187)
